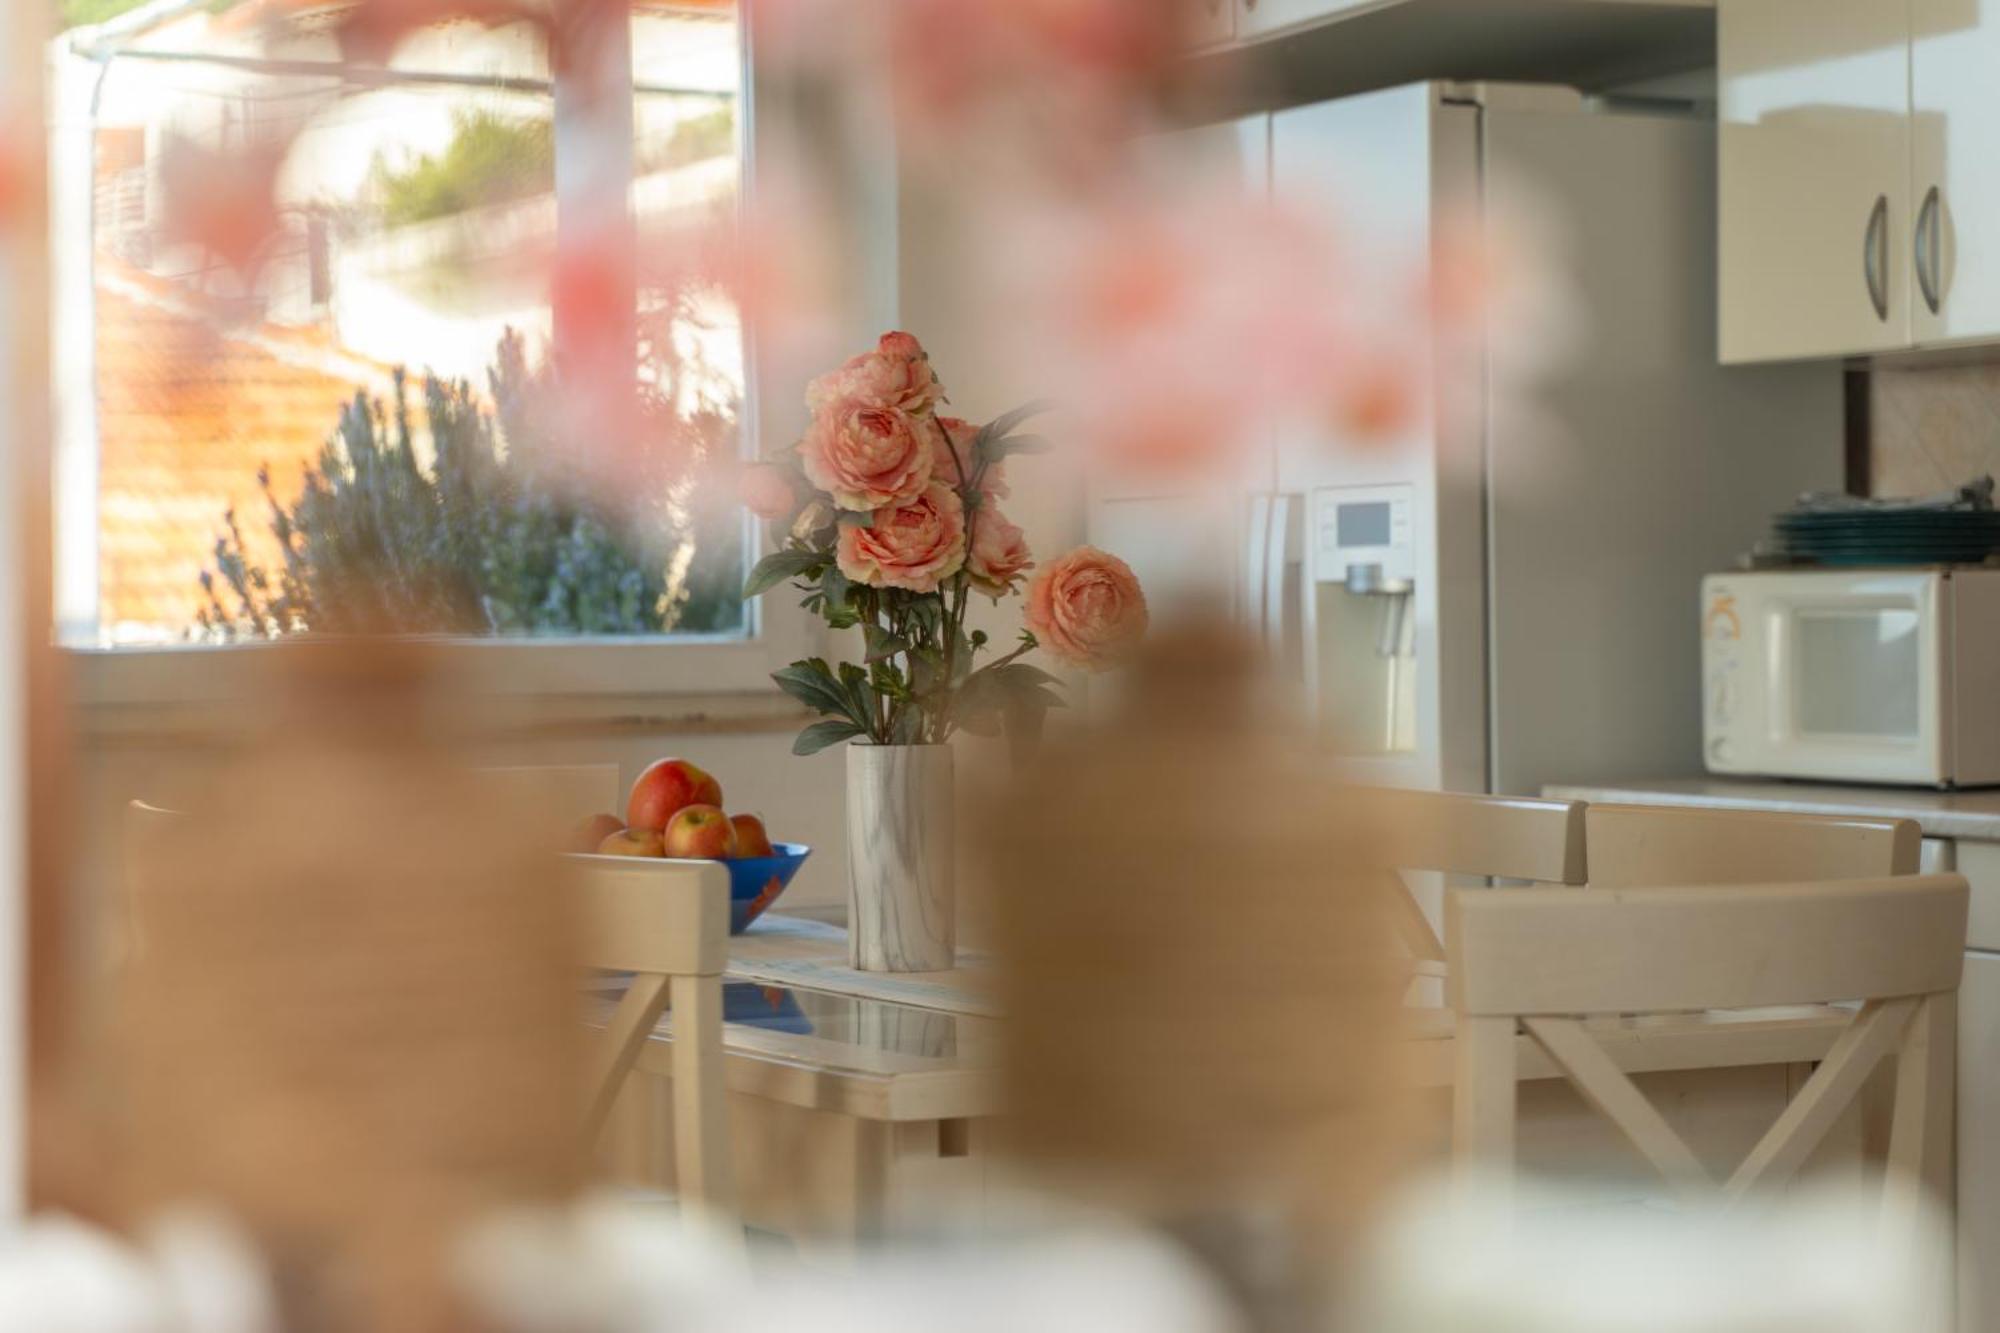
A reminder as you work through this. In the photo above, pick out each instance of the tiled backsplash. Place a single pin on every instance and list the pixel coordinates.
(1933, 428)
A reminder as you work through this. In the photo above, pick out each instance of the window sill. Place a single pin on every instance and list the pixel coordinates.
(572, 688)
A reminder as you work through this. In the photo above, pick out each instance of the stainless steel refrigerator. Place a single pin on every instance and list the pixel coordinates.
(1505, 594)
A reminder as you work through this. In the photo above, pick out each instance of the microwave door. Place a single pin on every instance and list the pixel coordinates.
(1851, 677)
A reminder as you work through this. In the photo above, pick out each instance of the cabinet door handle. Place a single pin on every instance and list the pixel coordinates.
(1875, 256)
(1929, 252)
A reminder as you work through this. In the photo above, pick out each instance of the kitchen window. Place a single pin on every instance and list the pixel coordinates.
(401, 308)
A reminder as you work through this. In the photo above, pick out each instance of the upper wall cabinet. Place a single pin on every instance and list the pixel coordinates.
(1955, 168)
(1860, 193)
(1816, 225)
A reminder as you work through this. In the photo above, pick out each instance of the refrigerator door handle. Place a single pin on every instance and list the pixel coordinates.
(1277, 543)
(1256, 563)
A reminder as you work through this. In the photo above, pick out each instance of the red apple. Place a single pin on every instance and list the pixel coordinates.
(751, 840)
(664, 789)
(587, 835)
(701, 833)
(632, 842)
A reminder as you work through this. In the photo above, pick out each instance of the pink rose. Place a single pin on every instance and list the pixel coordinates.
(865, 457)
(1086, 608)
(766, 491)
(916, 546)
(957, 454)
(896, 374)
(999, 552)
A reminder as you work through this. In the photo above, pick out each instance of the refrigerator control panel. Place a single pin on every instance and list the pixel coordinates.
(1363, 528)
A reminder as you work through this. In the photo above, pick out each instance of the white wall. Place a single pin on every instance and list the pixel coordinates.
(939, 304)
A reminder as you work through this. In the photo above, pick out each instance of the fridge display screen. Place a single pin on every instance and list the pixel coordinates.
(1363, 524)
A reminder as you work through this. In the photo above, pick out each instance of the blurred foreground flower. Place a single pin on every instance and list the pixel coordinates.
(1040, 86)
(223, 200)
(1484, 1254)
(370, 30)
(1200, 985)
(1179, 354)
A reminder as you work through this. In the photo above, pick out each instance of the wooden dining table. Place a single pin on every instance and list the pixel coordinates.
(854, 1096)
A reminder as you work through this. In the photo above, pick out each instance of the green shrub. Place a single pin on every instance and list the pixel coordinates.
(491, 159)
(493, 535)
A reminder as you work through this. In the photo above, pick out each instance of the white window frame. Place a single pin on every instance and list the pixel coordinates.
(598, 676)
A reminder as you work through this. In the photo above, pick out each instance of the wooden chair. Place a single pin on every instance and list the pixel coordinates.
(1635, 846)
(558, 795)
(1498, 837)
(667, 923)
(1533, 960)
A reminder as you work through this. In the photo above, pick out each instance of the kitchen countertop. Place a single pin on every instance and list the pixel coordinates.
(1942, 814)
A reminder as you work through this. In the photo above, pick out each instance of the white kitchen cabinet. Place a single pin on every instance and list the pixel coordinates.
(1815, 226)
(1979, 1144)
(1978, 1117)
(1979, 862)
(1860, 193)
(1955, 174)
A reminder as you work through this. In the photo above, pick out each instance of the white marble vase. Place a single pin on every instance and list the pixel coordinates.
(901, 903)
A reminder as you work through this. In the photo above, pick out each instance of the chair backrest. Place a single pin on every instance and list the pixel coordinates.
(558, 795)
(667, 923)
(1532, 960)
(1504, 837)
(1631, 846)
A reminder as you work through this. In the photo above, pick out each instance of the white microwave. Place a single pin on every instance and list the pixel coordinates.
(1861, 676)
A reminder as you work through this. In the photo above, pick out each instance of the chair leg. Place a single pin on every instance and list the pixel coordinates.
(631, 1023)
(1920, 1136)
(702, 1167)
(1922, 1153)
(1483, 1097)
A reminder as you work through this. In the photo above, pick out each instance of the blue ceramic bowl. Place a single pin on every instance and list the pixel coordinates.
(756, 881)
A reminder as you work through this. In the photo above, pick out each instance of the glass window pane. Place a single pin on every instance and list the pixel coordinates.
(359, 430)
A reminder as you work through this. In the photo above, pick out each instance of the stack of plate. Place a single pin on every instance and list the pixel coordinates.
(1891, 536)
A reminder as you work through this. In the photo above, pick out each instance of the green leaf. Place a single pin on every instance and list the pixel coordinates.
(880, 643)
(995, 450)
(926, 670)
(1029, 674)
(1006, 421)
(927, 610)
(909, 728)
(838, 588)
(822, 734)
(854, 683)
(885, 679)
(778, 566)
(811, 682)
(857, 518)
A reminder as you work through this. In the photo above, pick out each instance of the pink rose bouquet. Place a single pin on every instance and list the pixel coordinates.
(886, 518)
